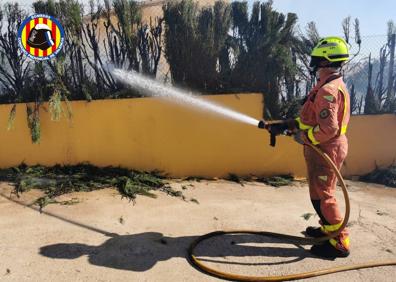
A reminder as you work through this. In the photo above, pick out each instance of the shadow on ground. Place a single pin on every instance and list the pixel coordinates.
(140, 252)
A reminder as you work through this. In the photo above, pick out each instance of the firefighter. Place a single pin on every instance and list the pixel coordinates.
(323, 121)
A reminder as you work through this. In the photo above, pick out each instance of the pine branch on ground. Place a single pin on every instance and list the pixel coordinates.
(59, 180)
(384, 176)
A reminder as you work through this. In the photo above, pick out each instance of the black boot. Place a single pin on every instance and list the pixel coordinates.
(315, 232)
(328, 251)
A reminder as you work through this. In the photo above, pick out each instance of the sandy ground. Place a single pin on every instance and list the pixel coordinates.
(105, 238)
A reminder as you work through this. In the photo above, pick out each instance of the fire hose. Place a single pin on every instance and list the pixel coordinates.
(196, 262)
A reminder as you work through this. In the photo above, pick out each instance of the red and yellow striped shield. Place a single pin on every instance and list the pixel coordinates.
(41, 37)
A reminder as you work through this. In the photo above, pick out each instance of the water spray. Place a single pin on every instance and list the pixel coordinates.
(154, 88)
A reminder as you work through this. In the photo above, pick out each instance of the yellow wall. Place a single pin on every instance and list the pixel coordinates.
(148, 134)
(372, 141)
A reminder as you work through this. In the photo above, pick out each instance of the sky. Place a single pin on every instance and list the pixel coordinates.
(328, 15)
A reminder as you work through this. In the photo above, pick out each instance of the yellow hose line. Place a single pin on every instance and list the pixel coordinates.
(297, 239)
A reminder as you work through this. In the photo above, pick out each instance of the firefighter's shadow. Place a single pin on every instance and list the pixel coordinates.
(140, 252)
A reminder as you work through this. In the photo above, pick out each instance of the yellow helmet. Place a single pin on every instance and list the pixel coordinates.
(333, 50)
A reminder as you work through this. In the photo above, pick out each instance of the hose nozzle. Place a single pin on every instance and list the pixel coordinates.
(275, 128)
(261, 124)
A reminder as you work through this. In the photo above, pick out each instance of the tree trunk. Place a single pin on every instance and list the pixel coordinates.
(390, 96)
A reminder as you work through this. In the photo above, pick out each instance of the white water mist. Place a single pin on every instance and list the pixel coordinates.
(154, 88)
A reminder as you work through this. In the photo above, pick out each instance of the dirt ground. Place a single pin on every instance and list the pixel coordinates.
(106, 238)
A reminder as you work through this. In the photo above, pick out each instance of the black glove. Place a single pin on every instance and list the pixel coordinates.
(279, 127)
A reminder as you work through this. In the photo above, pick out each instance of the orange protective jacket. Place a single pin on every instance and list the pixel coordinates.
(326, 112)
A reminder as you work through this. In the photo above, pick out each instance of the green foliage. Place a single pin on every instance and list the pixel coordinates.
(256, 56)
(235, 178)
(45, 7)
(385, 176)
(195, 178)
(203, 34)
(129, 188)
(69, 111)
(277, 181)
(69, 70)
(265, 48)
(55, 106)
(122, 40)
(11, 118)
(33, 121)
(59, 180)
(128, 14)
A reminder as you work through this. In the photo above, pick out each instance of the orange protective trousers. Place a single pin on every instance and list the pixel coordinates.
(323, 180)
